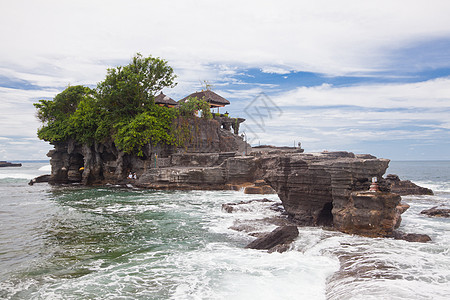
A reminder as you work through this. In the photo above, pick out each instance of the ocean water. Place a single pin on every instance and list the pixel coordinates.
(73, 242)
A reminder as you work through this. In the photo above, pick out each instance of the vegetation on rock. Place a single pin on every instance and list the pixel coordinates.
(192, 105)
(121, 108)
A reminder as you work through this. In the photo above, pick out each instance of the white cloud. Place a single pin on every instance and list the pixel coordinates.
(427, 94)
(332, 37)
(320, 118)
(275, 70)
(51, 44)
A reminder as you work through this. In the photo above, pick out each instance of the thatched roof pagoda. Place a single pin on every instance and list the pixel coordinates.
(163, 100)
(209, 96)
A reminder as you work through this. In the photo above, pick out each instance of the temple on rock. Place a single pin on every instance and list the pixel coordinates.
(326, 189)
(214, 100)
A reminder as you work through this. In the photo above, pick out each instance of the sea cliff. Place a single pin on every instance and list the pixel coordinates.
(321, 189)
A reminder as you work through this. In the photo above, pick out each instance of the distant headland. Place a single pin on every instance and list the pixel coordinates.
(8, 164)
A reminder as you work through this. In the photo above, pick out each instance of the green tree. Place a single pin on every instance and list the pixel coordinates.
(57, 114)
(121, 108)
(63, 105)
(129, 90)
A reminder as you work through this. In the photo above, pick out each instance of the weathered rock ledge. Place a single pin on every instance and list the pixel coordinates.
(331, 189)
(321, 189)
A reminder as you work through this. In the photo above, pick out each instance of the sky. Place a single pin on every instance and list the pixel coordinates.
(360, 76)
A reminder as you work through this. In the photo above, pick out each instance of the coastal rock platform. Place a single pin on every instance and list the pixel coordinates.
(317, 189)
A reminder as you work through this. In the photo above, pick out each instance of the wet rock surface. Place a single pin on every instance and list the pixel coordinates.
(369, 214)
(277, 240)
(411, 237)
(40, 179)
(331, 189)
(439, 212)
(405, 187)
(316, 189)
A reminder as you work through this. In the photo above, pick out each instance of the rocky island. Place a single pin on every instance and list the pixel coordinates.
(105, 137)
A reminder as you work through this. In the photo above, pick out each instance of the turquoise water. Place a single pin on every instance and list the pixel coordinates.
(112, 243)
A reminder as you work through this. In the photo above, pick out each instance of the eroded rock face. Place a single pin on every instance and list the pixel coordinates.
(324, 189)
(369, 214)
(208, 147)
(329, 189)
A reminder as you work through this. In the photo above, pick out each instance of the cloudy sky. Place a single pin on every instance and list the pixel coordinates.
(368, 77)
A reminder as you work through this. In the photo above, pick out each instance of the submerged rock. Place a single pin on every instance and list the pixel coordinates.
(231, 207)
(277, 240)
(411, 237)
(437, 212)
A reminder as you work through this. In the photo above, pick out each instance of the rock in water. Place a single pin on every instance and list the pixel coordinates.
(405, 187)
(277, 240)
(437, 212)
(411, 237)
(369, 214)
(330, 189)
(42, 178)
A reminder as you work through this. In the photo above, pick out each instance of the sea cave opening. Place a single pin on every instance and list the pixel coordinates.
(325, 217)
(76, 167)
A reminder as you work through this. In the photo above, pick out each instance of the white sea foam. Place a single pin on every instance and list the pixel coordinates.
(436, 186)
(17, 176)
(179, 245)
(46, 168)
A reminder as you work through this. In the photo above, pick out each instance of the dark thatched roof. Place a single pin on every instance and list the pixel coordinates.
(209, 96)
(163, 99)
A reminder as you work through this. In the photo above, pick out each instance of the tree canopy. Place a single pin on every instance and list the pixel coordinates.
(121, 108)
(129, 90)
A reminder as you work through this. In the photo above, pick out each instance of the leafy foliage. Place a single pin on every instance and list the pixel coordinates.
(192, 105)
(153, 126)
(63, 105)
(128, 91)
(121, 107)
